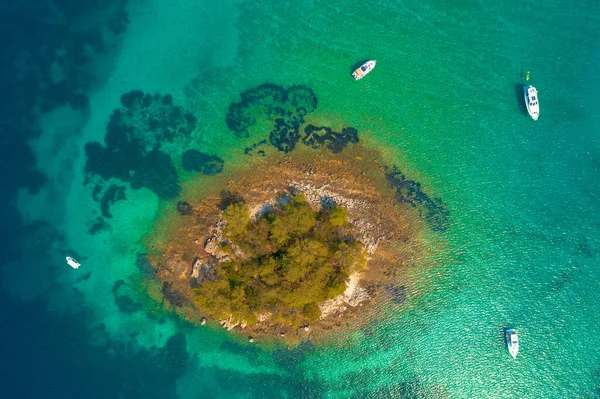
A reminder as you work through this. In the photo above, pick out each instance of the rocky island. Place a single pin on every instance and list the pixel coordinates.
(306, 233)
(288, 245)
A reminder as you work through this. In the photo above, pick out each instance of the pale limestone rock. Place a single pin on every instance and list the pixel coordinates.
(264, 316)
(352, 296)
(203, 268)
(228, 323)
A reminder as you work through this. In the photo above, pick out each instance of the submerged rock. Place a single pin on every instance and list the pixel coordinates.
(123, 294)
(174, 295)
(194, 160)
(283, 136)
(134, 137)
(433, 210)
(158, 174)
(113, 194)
(184, 208)
(319, 136)
(397, 293)
(98, 225)
(285, 108)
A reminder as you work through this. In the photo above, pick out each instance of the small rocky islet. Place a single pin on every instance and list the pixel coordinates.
(294, 242)
(250, 263)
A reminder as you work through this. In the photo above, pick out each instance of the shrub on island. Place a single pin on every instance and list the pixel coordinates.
(283, 263)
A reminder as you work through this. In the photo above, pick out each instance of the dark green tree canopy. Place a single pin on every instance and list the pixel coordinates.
(294, 258)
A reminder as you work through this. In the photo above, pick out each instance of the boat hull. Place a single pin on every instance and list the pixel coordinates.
(531, 101)
(364, 69)
(512, 342)
(73, 263)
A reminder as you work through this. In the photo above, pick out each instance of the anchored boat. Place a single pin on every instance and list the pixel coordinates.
(531, 101)
(364, 69)
(73, 263)
(512, 342)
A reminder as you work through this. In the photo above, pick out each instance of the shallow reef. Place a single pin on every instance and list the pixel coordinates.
(158, 174)
(113, 194)
(286, 109)
(123, 294)
(194, 160)
(253, 149)
(134, 136)
(396, 292)
(151, 119)
(283, 136)
(184, 208)
(319, 136)
(174, 295)
(433, 210)
(98, 225)
(146, 269)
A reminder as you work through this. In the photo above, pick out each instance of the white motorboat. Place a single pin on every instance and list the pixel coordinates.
(73, 263)
(364, 69)
(531, 101)
(512, 342)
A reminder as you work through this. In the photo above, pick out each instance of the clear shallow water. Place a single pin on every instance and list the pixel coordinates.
(443, 104)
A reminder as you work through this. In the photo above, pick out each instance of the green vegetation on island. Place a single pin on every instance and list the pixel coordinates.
(283, 263)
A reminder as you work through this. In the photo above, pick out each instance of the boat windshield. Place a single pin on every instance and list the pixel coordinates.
(363, 68)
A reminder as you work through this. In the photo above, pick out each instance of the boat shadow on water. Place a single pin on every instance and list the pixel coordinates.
(520, 98)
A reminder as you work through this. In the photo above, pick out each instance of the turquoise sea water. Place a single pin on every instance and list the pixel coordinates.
(444, 104)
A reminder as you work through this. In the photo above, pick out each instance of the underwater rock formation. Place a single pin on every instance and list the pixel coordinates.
(260, 100)
(318, 136)
(158, 174)
(433, 210)
(134, 136)
(174, 295)
(145, 121)
(151, 119)
(397, 293)
(194, 160)
(252, 150)
(184, 208)
(285, 108)
(123, 297)
(283, 136)
(98, 225)
(146, 269)
(113, 194)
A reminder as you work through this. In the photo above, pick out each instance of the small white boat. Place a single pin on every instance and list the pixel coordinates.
(531, 101)
(512, 342)
(73, 263)
(364, 69)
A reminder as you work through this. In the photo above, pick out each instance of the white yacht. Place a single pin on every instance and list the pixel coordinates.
(364, 69)
(531, 101)
(73, 263)
(512, 342)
